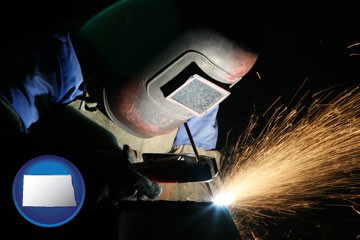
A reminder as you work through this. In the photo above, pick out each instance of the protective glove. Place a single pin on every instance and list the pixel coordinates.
(122, 183)
(128, 184)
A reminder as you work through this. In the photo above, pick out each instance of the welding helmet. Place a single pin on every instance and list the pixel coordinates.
(162, 72)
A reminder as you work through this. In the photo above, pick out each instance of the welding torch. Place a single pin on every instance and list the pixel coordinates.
(178, 168)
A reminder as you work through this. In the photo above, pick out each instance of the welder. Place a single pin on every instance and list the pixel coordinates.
(148, 72)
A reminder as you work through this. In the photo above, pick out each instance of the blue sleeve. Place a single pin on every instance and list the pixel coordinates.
(204, 131)
(49, 75)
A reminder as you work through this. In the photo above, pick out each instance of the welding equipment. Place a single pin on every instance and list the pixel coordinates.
(162, 72)
(177, 168)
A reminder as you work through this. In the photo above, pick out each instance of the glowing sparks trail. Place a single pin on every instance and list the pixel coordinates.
(354, 45)
(295, 161)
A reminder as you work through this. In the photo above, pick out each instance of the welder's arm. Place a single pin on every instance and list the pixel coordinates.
(204, 131)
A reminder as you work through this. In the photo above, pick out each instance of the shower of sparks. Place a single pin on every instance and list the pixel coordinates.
(302, 156)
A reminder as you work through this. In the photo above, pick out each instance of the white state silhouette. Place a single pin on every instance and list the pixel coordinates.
(48, 191)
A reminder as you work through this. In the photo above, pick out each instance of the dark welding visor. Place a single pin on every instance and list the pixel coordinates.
(162, 74)
(194, 74)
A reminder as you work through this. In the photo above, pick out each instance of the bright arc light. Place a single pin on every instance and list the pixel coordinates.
(224, 199)
(303, 155)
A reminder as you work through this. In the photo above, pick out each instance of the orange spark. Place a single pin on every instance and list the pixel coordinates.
(295, 162)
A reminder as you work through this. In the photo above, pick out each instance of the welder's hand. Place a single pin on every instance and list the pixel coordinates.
(128, 184)
(123, 183)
